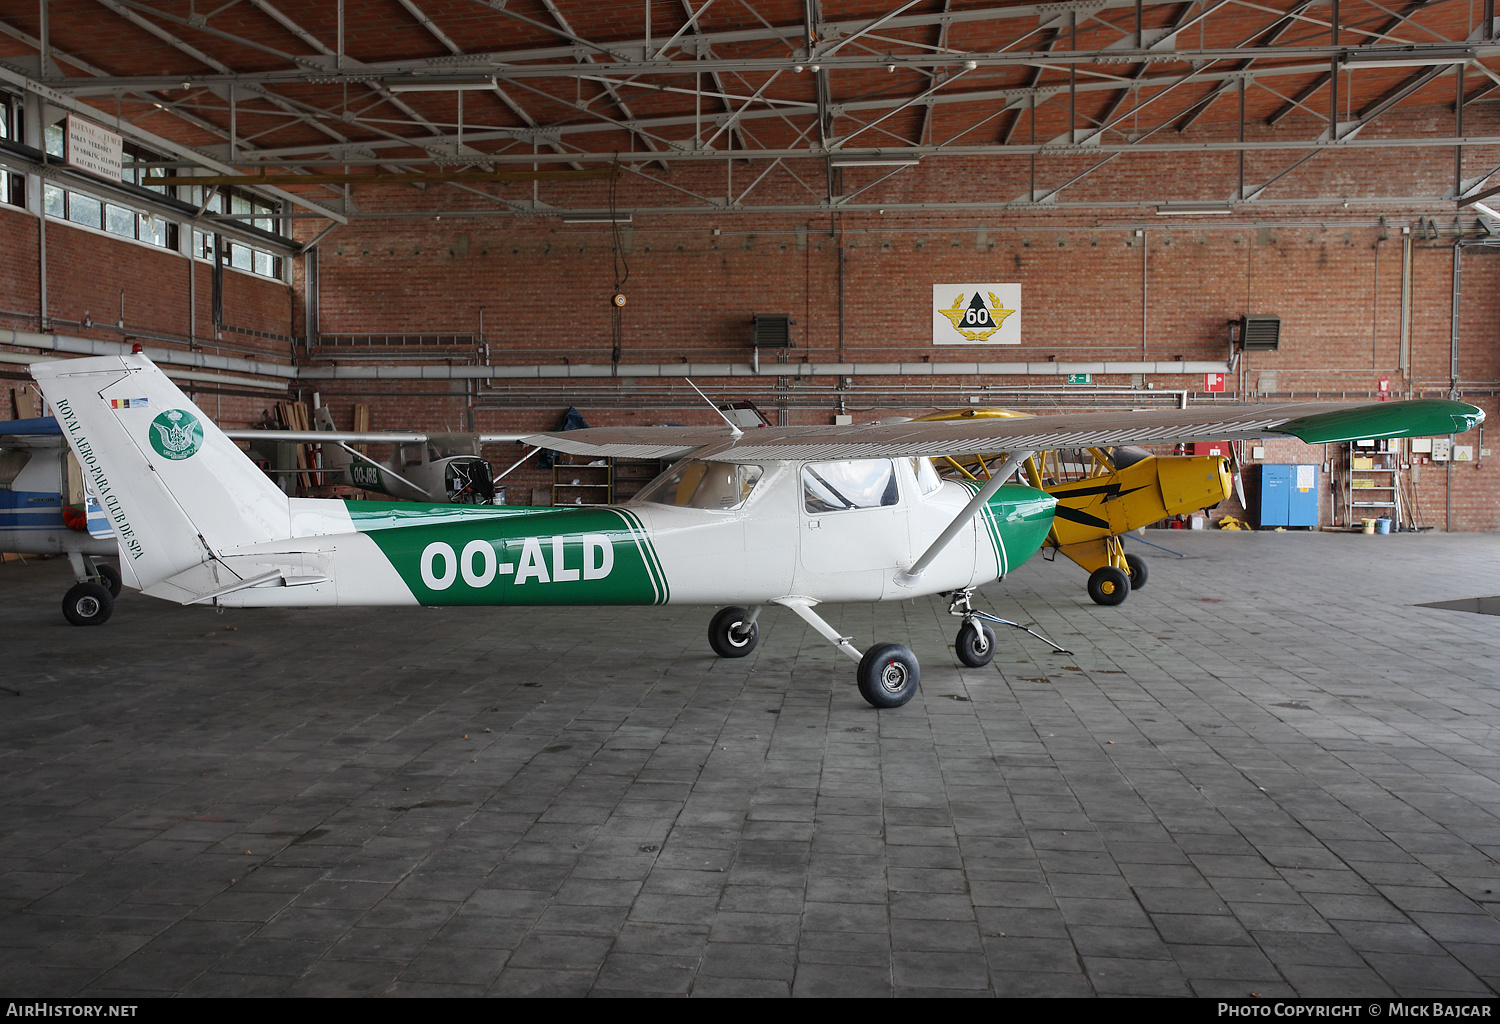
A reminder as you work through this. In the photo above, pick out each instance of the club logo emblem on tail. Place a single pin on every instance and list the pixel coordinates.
(176, 434)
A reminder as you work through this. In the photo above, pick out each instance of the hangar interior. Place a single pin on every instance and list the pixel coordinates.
(474, 217)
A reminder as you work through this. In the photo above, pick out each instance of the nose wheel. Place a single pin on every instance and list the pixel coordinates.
(976, 641)
(975, 644)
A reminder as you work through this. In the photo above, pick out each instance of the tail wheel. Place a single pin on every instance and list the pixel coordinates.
(110, 577)
(889, 675)
(87, 604)
(728, 636)
(1138, 571)
(975, 644)
(1108, 585)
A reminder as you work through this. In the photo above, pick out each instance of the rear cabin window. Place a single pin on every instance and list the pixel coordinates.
(697, 484)
(838, 486)
(12, 461)
(927, 476)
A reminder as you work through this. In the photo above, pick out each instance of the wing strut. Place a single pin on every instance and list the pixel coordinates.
(804, 609)
(909, 577)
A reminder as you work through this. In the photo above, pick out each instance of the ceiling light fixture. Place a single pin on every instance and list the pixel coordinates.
(1406, 58)
(602, 217)
(1192, 209)
(439, 84)
(875, 161)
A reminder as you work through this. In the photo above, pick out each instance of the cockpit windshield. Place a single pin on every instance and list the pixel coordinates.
(694, 483)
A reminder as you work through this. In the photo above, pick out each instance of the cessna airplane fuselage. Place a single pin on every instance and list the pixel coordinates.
(792, 516)
(390, 553)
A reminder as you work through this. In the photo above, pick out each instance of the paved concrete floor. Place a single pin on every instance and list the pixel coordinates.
(1268, 772)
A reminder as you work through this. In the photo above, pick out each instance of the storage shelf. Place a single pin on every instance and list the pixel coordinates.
(577, 483)
(1377, 479)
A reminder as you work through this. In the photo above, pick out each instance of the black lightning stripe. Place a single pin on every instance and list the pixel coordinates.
(1111, 491)
(1072, 515)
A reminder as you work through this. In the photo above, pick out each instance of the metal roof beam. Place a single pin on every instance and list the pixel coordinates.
(1018, 96)
(1316, 86)
(442, 37)
(151, 140)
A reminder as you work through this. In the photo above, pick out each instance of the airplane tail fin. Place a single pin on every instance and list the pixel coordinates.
(177, 491)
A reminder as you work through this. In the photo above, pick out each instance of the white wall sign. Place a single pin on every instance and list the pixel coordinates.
(93, 149)
(976, 314)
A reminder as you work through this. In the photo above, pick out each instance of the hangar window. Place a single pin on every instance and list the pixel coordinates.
(694, 483)
(246, 208)
(12, 185)
(860, 483)
(111, 215)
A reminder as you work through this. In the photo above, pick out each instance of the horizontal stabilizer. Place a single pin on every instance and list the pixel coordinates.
(355, 437)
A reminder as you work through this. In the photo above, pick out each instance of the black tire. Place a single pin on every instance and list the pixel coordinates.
(110, 576)
(1139, 573)
(889, 675)
(1108, 585)
(87, 604)
(722, 635)
(975, 644)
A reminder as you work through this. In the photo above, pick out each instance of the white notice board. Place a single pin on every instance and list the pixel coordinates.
(93, 149)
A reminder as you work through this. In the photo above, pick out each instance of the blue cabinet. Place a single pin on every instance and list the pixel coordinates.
(1287, 496)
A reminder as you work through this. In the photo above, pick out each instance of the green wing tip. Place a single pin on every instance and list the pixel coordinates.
(1422, 417)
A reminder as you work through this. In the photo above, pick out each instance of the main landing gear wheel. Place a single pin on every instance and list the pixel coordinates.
(110, 577)
(1108, 585)
(87, 604)
(888, 675)
(728, 636)
(975, 644)
(1138, 571)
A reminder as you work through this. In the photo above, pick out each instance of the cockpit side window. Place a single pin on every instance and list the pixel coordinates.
(837, 486)
(693, 483)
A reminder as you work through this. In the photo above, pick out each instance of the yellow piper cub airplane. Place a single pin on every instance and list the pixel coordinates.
(791, 516)
(1122, 489)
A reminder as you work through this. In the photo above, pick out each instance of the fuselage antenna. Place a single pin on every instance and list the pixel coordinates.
(732, 426)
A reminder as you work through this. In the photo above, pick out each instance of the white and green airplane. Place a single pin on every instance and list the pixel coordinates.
(789, 516)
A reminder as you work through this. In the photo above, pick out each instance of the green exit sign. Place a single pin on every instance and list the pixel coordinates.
(1080, 378)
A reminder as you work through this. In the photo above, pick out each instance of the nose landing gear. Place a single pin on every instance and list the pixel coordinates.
(976, 641)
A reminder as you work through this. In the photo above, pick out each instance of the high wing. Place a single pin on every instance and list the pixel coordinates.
(1312, 422)
(351, 437)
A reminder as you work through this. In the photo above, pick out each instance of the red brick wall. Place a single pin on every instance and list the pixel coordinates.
(542, 290)
(88, 275)
(1093, 289)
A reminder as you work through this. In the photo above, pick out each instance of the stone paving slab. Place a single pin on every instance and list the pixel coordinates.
(1270, 771)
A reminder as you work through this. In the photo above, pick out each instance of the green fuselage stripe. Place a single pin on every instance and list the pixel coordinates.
(648, 553)
(992, 528)
(488, 555)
